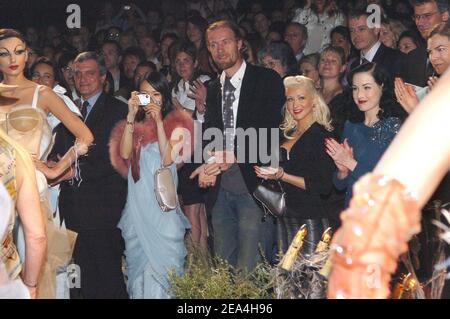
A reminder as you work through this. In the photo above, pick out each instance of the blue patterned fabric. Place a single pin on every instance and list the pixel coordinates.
(154, 240)
(369, 144)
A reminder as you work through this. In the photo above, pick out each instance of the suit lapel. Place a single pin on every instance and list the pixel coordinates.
(218, 102)
(379, 55)
(97, 111)
(245, 97)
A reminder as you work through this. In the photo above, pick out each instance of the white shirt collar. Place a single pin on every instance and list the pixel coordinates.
(370, 55)
(237, 78)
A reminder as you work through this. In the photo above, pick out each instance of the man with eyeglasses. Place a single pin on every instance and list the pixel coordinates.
(427, 15)
(93, 206)
(296, 35)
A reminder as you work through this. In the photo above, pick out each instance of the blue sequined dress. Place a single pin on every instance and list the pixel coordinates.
(369, 144)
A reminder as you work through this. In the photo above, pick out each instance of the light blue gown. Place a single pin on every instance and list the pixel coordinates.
(154, 240)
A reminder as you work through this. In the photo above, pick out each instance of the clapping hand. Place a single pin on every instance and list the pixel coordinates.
(198, 90)
(406, 95)
(432, 82)
(342, 155)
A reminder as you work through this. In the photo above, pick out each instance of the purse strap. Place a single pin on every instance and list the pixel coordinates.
(164, 154)
(278, 181)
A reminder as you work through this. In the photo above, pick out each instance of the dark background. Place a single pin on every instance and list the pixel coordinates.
(41, 13)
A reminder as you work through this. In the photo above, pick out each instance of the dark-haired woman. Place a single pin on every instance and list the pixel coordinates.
(375, 119)
(279, 57)
(141, 144)
(190, 80)
(408, 41)
(340, 37)
(195, 33)
(65, 74)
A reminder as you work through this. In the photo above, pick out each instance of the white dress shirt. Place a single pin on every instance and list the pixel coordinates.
(319, 28)
(370, 55)
(184, 89)
(52, 120)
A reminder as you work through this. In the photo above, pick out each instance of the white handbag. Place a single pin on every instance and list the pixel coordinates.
(165, 189)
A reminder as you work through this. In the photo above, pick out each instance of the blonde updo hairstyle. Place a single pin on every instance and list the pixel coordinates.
(321, 112)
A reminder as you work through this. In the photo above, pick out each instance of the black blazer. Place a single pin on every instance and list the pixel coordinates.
(415, 69)
(308, 159)
(99, 200)
(260, 103)
(389, 58)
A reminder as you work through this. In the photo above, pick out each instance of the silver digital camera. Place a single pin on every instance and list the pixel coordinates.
(145, 99)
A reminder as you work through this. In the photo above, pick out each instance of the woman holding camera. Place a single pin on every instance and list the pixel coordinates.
(152, 136)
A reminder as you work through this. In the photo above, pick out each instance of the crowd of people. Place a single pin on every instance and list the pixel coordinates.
(336, 87)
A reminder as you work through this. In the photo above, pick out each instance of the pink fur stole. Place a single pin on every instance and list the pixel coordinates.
(145, 133)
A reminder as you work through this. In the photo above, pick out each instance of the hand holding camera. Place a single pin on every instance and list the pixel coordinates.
(151, 106)
(133, 106)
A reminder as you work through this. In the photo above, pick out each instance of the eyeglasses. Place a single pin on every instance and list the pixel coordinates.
(425, 16)
(270, 64)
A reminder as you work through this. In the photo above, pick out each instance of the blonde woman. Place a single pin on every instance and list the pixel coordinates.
(306, 170)
(17, 175)
(390, 32)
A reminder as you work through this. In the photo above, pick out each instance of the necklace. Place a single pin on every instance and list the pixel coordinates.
(301, 132)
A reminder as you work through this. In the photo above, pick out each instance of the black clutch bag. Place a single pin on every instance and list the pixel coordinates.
(272, 197)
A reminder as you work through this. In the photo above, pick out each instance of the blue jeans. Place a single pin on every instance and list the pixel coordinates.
(240, 235)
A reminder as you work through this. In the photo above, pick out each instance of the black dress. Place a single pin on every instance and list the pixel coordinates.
(188, 189)
(315, 204)
(339, 108)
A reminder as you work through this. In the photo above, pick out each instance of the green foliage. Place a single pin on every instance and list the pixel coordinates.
(213, 278)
